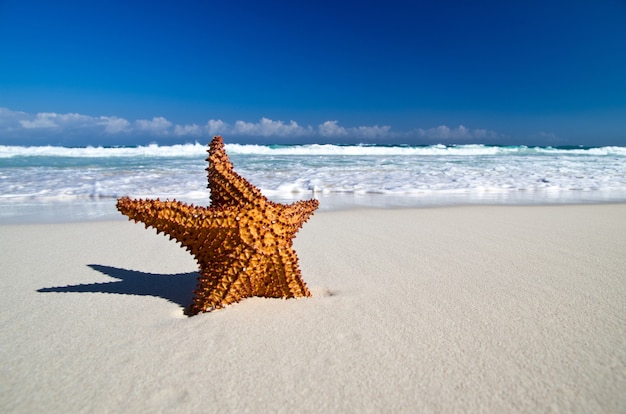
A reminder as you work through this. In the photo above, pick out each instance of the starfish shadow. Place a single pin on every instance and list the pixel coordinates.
(176, 288)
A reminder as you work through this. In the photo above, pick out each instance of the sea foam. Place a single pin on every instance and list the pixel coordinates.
(367, 174)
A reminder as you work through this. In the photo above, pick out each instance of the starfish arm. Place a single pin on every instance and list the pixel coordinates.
(223, 280)
(199, 229)
(245, 273)
(281, 275)
(227, 187)
(299, 212)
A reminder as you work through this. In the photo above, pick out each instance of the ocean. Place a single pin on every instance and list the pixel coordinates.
(39, 184)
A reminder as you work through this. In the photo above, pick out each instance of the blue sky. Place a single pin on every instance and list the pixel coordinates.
(415, 72)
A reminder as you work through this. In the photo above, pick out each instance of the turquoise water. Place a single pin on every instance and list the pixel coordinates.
(83, 183)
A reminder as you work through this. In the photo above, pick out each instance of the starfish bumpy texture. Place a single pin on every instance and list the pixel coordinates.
(242, 242)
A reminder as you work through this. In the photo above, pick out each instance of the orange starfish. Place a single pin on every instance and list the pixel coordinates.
(243, 242)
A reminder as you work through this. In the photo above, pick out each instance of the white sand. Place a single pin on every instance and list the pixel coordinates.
(465, 309)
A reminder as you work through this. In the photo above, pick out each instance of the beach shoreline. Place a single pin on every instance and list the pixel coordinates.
(74, 210)
(460, 308)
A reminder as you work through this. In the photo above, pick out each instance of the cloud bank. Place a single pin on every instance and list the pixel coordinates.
(460, 133)
(21, 128)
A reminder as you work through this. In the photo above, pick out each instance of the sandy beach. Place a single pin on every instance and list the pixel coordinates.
(458, 309)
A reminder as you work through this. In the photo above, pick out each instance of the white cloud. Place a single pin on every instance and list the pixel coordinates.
(63, 122)
(158, 125)
(39, 127)
(10, 121)
(332, 129)
(45, 120)
(183, 130)
(7, 113)
(266, 127)
(112, 125)
(41, 120)
(372, 131)
(444, 133)
(43, 126)
(216, 127)
(115, 125)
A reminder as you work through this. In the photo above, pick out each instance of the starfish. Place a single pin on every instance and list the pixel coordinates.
(243, 242)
